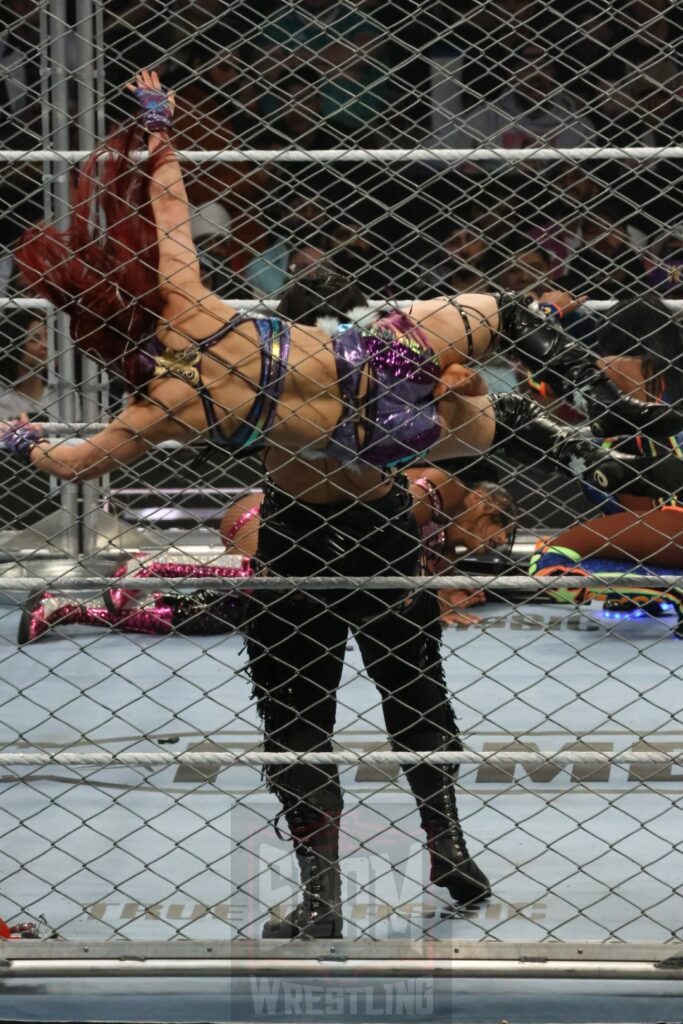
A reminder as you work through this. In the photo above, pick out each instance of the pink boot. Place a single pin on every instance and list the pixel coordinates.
(228, 566)
(46, 611)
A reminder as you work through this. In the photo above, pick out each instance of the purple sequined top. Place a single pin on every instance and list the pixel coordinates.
(396, 419)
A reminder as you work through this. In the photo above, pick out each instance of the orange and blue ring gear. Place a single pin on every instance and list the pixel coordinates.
(551, 560)
(637, 594)
(540, 387)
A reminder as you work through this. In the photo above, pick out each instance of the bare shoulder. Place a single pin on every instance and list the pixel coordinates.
(193, 313)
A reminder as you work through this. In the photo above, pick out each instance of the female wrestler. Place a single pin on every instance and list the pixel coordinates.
(320, 518)
(321, 399)
(448, 514)
(126, 271)
(641, 350)
(452, 517)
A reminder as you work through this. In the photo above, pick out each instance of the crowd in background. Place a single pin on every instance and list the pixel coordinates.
(392, 73)
(337, 74)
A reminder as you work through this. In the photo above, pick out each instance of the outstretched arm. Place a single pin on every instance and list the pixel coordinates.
(178, 264)
(125, 439)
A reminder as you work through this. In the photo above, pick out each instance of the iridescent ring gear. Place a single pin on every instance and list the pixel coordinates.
(156, 112)
(156, 362)
(19, 439)
(396, 418)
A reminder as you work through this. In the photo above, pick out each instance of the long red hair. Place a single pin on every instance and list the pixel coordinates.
(103, 269)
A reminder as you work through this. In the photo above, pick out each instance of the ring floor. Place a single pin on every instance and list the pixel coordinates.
(590, 852)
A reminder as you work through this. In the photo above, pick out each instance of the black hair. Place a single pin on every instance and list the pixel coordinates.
(526, 250)
(500, 497)
(645, 328)
(513, 241)
(606, 213)
(518, 57)
(506, 513)
(323, 293)
(293, 83)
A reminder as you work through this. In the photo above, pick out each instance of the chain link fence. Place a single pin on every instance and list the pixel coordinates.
(461, 740)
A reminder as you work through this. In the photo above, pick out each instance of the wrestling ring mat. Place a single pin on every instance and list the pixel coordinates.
(584, 852)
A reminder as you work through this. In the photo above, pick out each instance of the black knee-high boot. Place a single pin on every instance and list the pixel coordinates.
(402, 655)
(312, 804)
(297, 708)
(527, 435)
(315, 833)
(451, 863)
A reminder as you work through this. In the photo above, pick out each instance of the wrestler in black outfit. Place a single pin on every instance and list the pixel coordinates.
(296, 646)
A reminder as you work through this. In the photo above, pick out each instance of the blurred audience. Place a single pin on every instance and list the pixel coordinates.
(488, 37)
(339, 47)
(665, 264)
(607, 265)
(321, 75)
(651, 42)
(531, 110)
(26, 389)
(298, 223)
(617, 120)
(20, 44)
(354, 251)
(211, 226)
(464, 263)
(556, 225)
(528, 271)
(301, 120)
(306, 262)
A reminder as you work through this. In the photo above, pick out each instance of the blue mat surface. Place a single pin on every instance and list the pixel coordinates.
(591, 852)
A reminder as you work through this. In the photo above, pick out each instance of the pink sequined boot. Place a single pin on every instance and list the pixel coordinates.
(46, 611)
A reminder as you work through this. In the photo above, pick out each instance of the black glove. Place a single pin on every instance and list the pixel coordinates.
(535, 338)
(525, 434)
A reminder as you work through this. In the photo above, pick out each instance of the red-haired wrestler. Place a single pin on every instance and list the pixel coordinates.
(126, 272)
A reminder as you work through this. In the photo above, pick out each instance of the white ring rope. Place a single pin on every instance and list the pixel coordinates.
(227, 758)
(152, 584)
(262, 304)
(293, 155)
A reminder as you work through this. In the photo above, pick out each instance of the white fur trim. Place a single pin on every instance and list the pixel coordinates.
(359, 316)
(313, 454)
(579, 402)
(577, 465)
(362, 316)
(329, 324)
